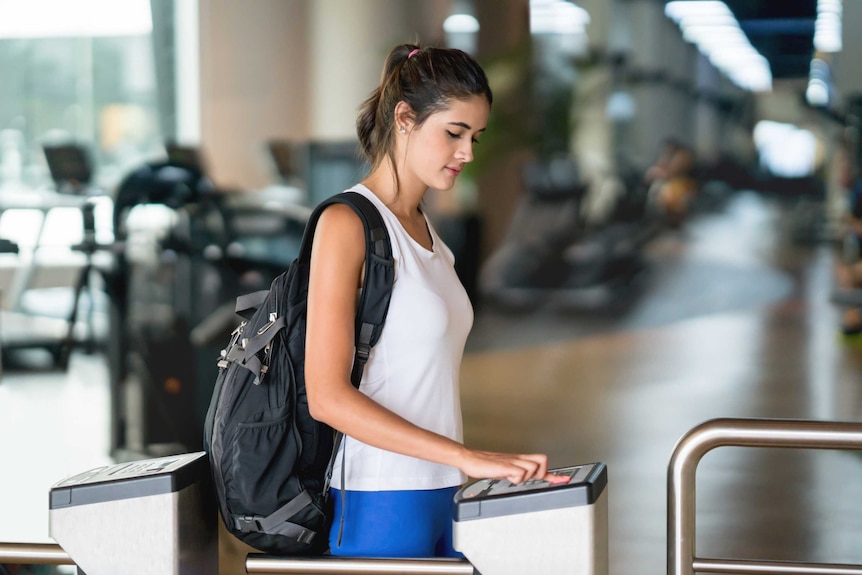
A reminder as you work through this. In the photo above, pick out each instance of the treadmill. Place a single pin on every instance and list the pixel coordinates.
(22, 327)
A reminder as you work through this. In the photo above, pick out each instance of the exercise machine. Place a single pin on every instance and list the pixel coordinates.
(551, 250)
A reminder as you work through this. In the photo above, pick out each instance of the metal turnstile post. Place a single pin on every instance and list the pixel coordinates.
(690, 449)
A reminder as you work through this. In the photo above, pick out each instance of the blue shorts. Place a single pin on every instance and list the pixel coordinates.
(394, 523)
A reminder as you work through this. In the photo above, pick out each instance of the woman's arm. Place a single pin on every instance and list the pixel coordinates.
(337, 260)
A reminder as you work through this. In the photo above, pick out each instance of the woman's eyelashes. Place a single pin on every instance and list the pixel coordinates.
(455, 136)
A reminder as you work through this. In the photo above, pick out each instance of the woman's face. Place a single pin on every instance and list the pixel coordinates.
(437, 150)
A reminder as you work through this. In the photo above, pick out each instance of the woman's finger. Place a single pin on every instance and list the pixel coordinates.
(540, 462)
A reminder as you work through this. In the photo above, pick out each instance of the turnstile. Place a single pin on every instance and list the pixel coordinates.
(502, 529)
(153, 517)
(158, 517)
(536, 527)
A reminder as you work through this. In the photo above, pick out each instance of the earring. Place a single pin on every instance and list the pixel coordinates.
(402, 130)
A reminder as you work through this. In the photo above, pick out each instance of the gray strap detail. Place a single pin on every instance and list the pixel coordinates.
(265, 335)
(235, 354)
(343, 491)
(253, 365)
(248, 524)
(378, 236)
(250, 301)
(277, 522)
(365, 333)
(336, 442)
(340, 439)
(285, 512)
(294, 531)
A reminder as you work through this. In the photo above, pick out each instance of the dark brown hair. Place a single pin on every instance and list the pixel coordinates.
(427, 79)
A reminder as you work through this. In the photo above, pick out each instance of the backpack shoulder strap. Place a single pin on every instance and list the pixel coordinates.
(247, 304)
(379, 273)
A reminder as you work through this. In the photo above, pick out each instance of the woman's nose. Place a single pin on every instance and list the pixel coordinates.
(465, 152)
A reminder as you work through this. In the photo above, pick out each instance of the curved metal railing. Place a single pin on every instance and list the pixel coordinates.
(53, 554)
(260, 564)
(690, 449)
(34, 554)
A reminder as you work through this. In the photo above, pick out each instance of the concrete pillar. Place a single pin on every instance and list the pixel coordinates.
(505, 29)
(644, 64)
(593, 142)
(707, 143)
(662, 65)
(847, 64)
(187, 76)
(295, 70)
(254, 79)
(348, 44)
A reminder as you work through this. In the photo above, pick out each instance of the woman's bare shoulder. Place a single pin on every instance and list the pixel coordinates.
(340, 219)
(340, 226)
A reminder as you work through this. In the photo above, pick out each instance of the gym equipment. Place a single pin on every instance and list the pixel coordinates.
(154, 516)
(536, 527)
(170, 235)
(327, 167)
(552, 250)
(186, 251)
(847, 297)
(32, 316)
(26, 324)
(71, 167)
(6, 247)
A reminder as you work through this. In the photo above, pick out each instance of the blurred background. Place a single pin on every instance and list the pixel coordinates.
(657, 229)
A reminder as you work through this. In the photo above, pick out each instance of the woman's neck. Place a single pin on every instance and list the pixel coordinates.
(400, 197)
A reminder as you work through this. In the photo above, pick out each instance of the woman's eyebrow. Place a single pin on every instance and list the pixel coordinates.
(464, 125)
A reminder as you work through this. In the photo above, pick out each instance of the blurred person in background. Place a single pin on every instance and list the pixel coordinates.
(672, 182)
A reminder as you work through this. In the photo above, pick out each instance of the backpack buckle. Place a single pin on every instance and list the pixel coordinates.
(363, 351)
(247, 524)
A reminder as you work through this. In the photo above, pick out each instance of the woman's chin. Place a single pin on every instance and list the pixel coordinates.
(444, 185)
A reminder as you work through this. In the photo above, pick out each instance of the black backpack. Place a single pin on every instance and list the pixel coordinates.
(271, 461)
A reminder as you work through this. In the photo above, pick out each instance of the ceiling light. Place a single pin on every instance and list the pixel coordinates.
(827, 27)
(461, 24)
(679, 10)
(74, 18)
(557, 17)
(817, 93)
(711, 26)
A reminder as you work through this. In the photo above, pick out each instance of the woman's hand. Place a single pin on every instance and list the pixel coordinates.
(517, 468)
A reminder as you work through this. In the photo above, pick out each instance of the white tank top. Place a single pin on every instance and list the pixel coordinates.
(413, 370)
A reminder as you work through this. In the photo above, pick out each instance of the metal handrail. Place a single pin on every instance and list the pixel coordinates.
(260, 564)
(690, 449)
(53, 554)
(33, 554)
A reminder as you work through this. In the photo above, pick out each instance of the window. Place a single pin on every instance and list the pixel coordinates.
(82, 72)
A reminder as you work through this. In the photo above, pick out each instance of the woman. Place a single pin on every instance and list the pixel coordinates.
(404, 455)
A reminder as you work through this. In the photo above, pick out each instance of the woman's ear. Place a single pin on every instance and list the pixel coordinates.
(404, 116)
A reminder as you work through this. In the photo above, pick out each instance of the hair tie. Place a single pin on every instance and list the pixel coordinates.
(411, 54)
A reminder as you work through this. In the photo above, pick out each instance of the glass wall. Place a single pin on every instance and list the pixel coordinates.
(90, 81)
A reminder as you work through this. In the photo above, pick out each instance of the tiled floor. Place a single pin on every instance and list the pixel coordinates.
(734, 322)
(52, 425)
